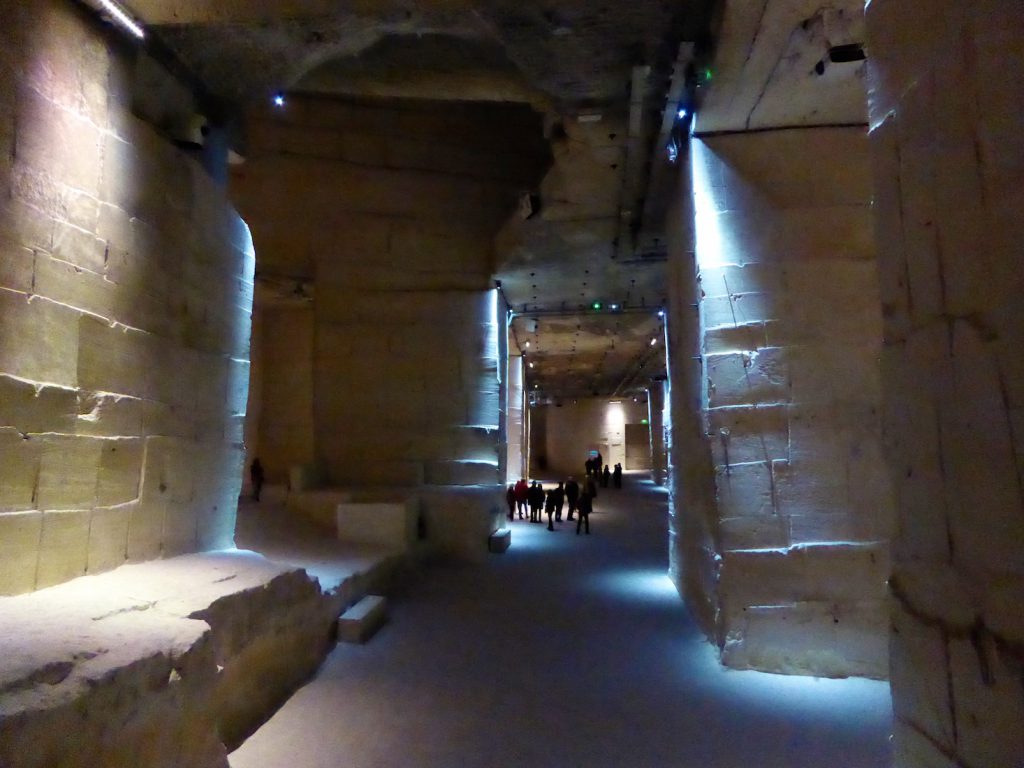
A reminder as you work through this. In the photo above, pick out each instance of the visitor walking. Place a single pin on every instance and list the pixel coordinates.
(536, 501)
(559, 501)
(572, 495)
(617, 476)
(606, 477)
(256, 476)
(584, 508)
(510, 499)
(549, 508)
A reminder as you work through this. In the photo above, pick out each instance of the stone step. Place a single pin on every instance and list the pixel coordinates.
(360, 622)
(500, 540)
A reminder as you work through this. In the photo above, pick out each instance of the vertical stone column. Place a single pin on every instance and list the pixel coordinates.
(125, 299)
(656, 418)
(946, 100)
(516, 420)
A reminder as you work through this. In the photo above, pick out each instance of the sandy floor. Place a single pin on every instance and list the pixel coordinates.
(565, 651)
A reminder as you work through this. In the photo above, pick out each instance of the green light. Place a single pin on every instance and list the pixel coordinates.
(707, 74)
(597, 305)
(643, 421)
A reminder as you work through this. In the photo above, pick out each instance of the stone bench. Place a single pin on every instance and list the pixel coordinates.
(500, 540)
(360, 622)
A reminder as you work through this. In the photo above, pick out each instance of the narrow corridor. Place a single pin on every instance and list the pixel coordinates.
(565, 651)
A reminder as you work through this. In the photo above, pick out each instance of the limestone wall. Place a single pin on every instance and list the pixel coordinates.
(125, 293)
(285, 415)
(790, 337)
(575, 428)
(388, 211)
(946, 96)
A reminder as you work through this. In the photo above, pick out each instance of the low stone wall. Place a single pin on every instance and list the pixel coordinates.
(164, 664)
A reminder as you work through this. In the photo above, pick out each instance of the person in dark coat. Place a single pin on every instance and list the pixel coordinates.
(549, 508)
(590, 487)
(536, 501)
(256, 475)
(572, 495)
(559, 501)
(510, 499)
(617, 476)
(606, 477)
(584, 509)
(598, 462)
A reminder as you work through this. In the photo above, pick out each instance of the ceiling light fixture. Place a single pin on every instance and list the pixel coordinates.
(654, 341)
(123, 18)
(279, 100)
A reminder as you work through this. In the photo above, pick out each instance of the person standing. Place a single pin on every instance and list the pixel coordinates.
(617, 476)
(606, 477)
(536, 501)
(256, 476)
(549, 507)
(590, 487)
(572, 495)
(584, 509)
(522, 496)
(559, 501)
(510, 499)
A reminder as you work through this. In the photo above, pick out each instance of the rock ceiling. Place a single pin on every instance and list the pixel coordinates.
(582, 63)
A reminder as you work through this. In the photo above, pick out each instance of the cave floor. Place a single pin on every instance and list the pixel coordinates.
(564, 651)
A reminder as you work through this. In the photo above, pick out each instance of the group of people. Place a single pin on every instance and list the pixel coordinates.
(605, 476)
(532, 499)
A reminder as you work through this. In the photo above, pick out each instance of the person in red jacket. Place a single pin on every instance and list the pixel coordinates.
(522, 495)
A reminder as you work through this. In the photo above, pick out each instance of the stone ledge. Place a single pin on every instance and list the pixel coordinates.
(170, 662)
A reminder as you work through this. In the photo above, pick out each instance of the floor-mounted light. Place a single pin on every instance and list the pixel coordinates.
(121, 17)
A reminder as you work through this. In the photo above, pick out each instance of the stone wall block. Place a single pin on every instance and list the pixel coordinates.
(754, 532)
(16, 267)
(920, 239)
(986, 523)
(987, 689)
(747, 379)
(168, 473)
(53, 329)
(915, 750)
(31, 408)
(720, 282)
(146, 529)
(756, 434)
(120, 471)
(921, 701)
(893, 278)
(19, 550)
(746, 490)
(72, 76)
(63, 547)
(738, 309)
(108, 537)
(826, 573)
(103, 415)
(20, 458)
(740, 338)
(57, 141)
(68, 467)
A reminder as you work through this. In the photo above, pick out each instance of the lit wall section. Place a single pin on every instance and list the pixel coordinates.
(790, 333)
(948, 150)
(578, 427)
(125, 298)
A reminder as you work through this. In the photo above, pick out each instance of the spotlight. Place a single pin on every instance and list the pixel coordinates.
(682, 113)
(597, 306)
(614, 307)
(661, 313)
(123, 18)
(527, 345)
(654, 341)
(279, 100)
(531, 365)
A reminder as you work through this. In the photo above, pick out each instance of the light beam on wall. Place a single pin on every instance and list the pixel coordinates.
(121, 17)
(710, 250)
